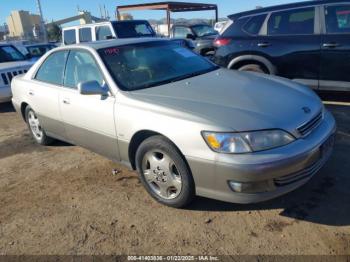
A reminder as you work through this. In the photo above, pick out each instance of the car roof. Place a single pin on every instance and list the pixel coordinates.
(39, 44)
(103, 23)
(129, 21)
(116, 42)
(190, 24)
(285, 6)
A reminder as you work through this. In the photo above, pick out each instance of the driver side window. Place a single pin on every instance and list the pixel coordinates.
(81, 67)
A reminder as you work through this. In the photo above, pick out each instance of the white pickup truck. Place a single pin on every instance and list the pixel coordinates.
(12, 63)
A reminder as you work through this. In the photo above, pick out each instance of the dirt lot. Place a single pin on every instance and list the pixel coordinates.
(63, 199)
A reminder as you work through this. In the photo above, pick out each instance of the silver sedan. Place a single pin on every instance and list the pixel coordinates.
(188, 127)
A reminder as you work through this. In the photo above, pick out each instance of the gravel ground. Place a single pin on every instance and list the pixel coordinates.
(64, 200)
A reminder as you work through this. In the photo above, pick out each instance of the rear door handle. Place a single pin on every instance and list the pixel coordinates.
(66, 101)
(264, 44)
(330, 45)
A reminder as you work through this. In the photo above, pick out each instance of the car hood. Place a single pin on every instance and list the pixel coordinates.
(13, 65)
(241, 101)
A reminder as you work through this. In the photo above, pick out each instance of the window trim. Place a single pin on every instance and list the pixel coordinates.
(34, 75)
(323, 17)
(61, 86)
(97, 64)
(261, 27)
(316, 21)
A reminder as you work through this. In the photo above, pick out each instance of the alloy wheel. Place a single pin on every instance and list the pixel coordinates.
(161, 174)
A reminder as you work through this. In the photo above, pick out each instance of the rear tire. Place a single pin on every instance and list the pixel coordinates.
(164, 173)
(253, 68)
(37, 132)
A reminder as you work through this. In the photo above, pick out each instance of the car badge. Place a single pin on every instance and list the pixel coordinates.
(306, 110)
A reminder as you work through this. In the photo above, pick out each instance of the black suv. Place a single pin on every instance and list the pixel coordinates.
(308, 42)
(202, 36)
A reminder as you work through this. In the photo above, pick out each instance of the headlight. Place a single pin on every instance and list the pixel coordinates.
(245, 142)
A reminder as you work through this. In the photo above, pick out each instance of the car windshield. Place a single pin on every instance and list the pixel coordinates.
(9, 54)
(145, 65)
(203, 30)
(130, 29)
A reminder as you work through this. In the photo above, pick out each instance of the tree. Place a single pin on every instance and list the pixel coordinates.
(54, 32)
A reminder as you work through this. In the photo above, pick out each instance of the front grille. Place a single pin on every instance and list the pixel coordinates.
(4, 79)
(298, 176)
(7, 77)
(307, 128)
(325, 152)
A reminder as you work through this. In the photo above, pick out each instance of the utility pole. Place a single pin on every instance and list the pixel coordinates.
(42, 23)
(101, 11)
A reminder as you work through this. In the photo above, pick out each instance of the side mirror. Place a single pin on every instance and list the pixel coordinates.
(92, 88)
(190, 36)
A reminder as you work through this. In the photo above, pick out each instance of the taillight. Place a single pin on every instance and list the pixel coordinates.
(221, 42)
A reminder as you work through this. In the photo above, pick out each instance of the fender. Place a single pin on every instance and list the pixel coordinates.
(272, 69)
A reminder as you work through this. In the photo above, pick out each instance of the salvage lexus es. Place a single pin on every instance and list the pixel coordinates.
(187, 126)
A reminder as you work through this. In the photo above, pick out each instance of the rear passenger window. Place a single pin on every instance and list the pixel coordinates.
(292, 22)
(103, 32)
(85, 35)
(235, 28)
(51, 71)
(338, 19)
(254, 24)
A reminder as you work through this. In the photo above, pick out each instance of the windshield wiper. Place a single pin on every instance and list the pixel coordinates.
(179, 78)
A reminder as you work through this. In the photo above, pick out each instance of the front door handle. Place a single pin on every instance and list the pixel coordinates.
(330, 45)
(66, 101)
(264, 44)
(31, 93)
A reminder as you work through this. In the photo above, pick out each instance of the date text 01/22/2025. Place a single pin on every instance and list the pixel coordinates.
(173, 258)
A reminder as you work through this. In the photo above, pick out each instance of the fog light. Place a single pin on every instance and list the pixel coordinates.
(252, 187)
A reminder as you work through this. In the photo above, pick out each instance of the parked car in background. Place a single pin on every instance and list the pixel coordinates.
(38, 50)
(12, 63)
(202, 36)
(187, 126)
(219, 26)
(107, 30)
(114, 30)
(308, 42)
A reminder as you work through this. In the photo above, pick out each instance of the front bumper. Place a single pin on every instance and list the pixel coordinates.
(5, 94)
(281, 170)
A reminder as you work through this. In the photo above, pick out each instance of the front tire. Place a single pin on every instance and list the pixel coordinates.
(253, 68)
(37, 132)
(164, 173)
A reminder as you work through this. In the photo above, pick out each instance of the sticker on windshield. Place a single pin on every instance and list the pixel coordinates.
(184, 52)
(112, 51)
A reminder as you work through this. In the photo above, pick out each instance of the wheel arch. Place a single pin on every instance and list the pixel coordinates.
(23, 110)
(245, 59)
(141, 136)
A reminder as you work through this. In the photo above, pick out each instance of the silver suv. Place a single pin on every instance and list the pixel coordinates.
(12, 63)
